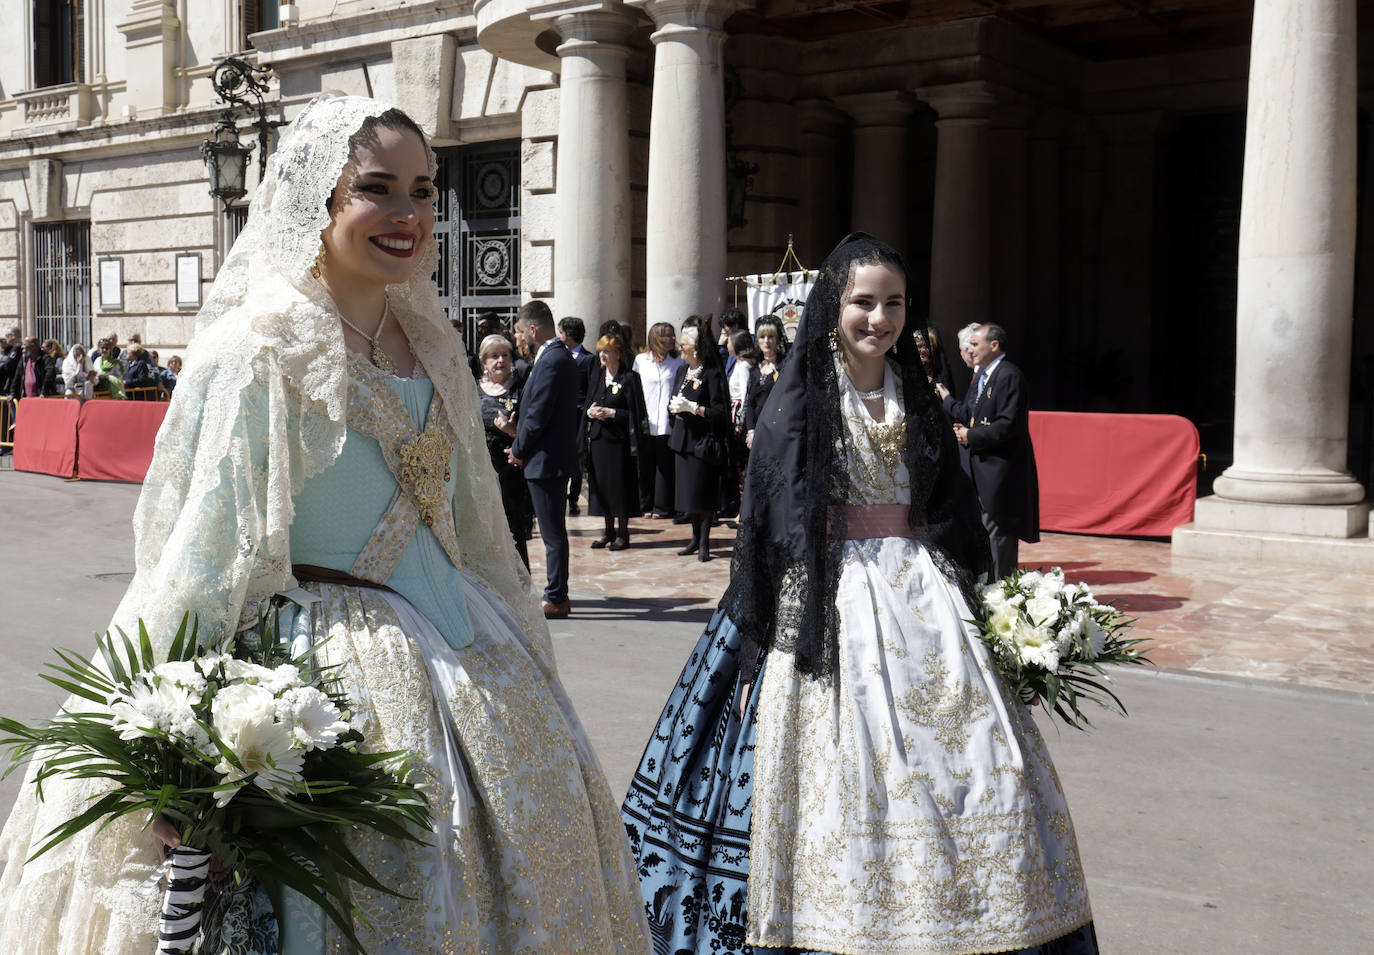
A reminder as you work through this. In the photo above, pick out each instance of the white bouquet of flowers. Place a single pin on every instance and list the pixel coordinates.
(254, 762)
(1052, 640)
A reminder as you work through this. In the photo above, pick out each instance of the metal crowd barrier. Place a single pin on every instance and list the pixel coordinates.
(7, 423)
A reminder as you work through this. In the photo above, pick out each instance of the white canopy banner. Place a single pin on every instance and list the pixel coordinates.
(781, 295)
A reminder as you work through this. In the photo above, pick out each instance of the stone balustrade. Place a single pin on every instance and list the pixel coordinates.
(69, 104)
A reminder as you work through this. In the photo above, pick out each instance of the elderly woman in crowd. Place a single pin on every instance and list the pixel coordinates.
(78, 378)
(656, 367)
(611, 440)
(700, 408)
(500, 396)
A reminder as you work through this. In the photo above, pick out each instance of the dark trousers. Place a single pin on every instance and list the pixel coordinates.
(656, 473)
(550, 498)
(1004, 547)
(574, 487)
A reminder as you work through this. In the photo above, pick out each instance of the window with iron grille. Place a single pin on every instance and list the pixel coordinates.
(235, 218)
(256, 16)
(59, 42)
(477, 229)
(62, 281)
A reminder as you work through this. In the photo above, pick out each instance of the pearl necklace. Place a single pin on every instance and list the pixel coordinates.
(379, 356)
(869, 395)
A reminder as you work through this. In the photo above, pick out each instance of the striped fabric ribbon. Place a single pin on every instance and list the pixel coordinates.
(178, 926)
(869, 521)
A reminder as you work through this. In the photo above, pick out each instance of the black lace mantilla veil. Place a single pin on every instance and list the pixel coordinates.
(788, 553)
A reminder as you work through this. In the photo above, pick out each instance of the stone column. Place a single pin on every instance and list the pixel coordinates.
(1288, 496)
(592, 231)
(685, 255)
(1007, 182)
(878, 205)
(1297, 259)
(820, 124)
(961, 228)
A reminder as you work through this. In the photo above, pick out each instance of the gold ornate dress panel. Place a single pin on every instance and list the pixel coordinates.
(419, 460)
(528, 854)
(908, 806)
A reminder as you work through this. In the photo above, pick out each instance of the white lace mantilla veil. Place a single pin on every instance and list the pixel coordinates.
(268, 358)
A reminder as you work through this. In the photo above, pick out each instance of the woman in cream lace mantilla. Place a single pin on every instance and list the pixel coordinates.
(325, 443)
(839, 769)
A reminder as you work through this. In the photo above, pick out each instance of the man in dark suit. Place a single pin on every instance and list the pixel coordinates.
(993, 424)
(546, 443)
(572, 331)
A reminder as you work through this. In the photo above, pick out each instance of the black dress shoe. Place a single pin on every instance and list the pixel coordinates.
(704, 555)
(620, 543)
(573, 509)
(690, 549)
(601, 542)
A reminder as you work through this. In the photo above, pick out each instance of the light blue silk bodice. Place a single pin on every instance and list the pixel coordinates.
(338, 510)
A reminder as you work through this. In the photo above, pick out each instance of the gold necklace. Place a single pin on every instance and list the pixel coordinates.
(379, 356)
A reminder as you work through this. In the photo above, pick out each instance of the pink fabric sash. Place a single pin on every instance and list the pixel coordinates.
(868, 521)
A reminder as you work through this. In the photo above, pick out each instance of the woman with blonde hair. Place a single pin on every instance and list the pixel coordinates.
(611, 441)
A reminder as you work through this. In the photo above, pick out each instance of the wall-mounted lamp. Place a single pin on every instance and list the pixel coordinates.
(226, 159)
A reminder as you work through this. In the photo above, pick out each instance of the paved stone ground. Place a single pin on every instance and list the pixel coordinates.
(1299, 625)
(1232, 812)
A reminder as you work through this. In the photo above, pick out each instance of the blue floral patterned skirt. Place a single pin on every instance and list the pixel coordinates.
(689, 806)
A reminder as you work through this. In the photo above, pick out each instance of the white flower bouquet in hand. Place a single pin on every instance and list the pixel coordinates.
(1052, 642)
(254, 762)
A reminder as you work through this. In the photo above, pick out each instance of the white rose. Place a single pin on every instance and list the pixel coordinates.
(1043, 610)
(241, 703)
(1030, 579)
(994, 598)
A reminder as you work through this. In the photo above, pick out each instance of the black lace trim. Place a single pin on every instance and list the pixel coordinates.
(788, 554)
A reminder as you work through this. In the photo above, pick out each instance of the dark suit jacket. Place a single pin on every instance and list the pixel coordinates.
(546, 432)
(1001, 459)
(587, 368)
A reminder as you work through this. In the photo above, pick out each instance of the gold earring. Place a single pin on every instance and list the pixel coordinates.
(318, 263)
(834, 339)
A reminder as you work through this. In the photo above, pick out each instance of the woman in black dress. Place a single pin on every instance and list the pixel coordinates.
(700, 409)
(771, 342)
(500, 394)
(611, 435)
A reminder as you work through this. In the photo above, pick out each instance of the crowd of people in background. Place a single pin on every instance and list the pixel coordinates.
(34, 368)
(664, 430)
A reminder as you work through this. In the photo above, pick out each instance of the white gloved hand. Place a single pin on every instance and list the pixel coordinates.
(681, 405)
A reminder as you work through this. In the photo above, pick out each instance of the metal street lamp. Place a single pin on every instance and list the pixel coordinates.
(226, 163)
(226, 159)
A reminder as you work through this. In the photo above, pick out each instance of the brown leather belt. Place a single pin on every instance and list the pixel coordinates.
(327, 575)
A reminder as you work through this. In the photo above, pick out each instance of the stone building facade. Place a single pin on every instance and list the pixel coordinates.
(1071, 170)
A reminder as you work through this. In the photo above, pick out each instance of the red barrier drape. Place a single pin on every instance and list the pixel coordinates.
(1114, 473)
(45, 436)
(116, 438)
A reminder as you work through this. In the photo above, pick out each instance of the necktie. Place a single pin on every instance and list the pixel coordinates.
(979, 380)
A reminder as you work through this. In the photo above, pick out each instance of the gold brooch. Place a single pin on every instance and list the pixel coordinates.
(425, 469)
